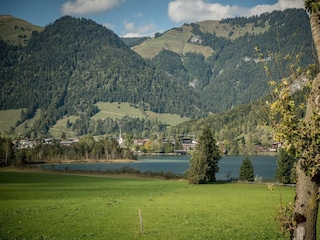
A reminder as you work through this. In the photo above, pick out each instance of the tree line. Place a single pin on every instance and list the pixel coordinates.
(87, 148)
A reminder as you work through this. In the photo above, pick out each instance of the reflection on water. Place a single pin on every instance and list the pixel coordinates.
(264, 166)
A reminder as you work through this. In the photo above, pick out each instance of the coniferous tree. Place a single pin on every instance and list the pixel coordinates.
(285, 164)
(246, 170)
(204, 160)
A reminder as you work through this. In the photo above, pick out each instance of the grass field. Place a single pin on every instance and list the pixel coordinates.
(58, 206)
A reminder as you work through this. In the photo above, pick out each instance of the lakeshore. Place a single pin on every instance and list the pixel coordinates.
(264, 166)
(86, 161)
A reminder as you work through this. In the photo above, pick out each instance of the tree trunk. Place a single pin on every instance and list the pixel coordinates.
(315, 29)
(307, 189)
(306, 206)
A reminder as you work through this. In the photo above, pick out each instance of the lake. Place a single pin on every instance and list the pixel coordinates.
(264, 166)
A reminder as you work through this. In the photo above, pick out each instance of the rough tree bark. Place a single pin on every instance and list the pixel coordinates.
(306, 206)
(307, 188)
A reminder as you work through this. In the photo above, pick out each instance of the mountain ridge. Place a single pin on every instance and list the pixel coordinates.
(235, 75)
(73, 64)
(181, 40)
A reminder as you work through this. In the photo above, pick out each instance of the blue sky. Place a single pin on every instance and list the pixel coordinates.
(136, 18)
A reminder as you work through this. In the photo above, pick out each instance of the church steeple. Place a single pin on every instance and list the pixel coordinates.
(120, 139)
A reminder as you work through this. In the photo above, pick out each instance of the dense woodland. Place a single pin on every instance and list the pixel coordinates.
(74, 63)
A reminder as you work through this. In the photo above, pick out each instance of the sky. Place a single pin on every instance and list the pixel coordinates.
(138, 18)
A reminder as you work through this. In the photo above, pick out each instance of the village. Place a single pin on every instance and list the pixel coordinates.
(184, 145)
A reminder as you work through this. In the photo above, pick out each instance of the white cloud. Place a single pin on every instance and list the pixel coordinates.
(131, 30)
(89, 6)
(199, 10)
(280, 5)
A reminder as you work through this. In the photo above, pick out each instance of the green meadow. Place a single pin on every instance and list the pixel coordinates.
(176, 40)
(8, 119)
(60, 206)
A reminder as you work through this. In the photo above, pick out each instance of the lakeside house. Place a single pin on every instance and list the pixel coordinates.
(188, 144)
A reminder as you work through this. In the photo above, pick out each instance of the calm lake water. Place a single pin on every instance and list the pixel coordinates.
(264, 166)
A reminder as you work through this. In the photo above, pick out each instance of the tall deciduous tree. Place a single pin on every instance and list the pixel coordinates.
(308, 166)
(246, 170)
(87, 143)
(6, 151)
(303, 137)
(204, 160)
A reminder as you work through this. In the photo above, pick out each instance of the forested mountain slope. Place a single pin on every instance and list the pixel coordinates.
(73, 64)
(230, 73)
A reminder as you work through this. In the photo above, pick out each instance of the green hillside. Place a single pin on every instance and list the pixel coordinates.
(119, 114)
(117, 110)
(232, 74)
(176, 40)
(179, 40)
(16, 31)
(8, 118)
(224, 29)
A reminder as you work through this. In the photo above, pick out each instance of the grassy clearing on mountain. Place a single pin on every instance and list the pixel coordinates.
(223, 29)
(205, 51)
(57, 206)
(170, 119)
(117, 110)
(23, 127)
(16, 31)
(61, 126)
(8, 118)
(175, 40)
